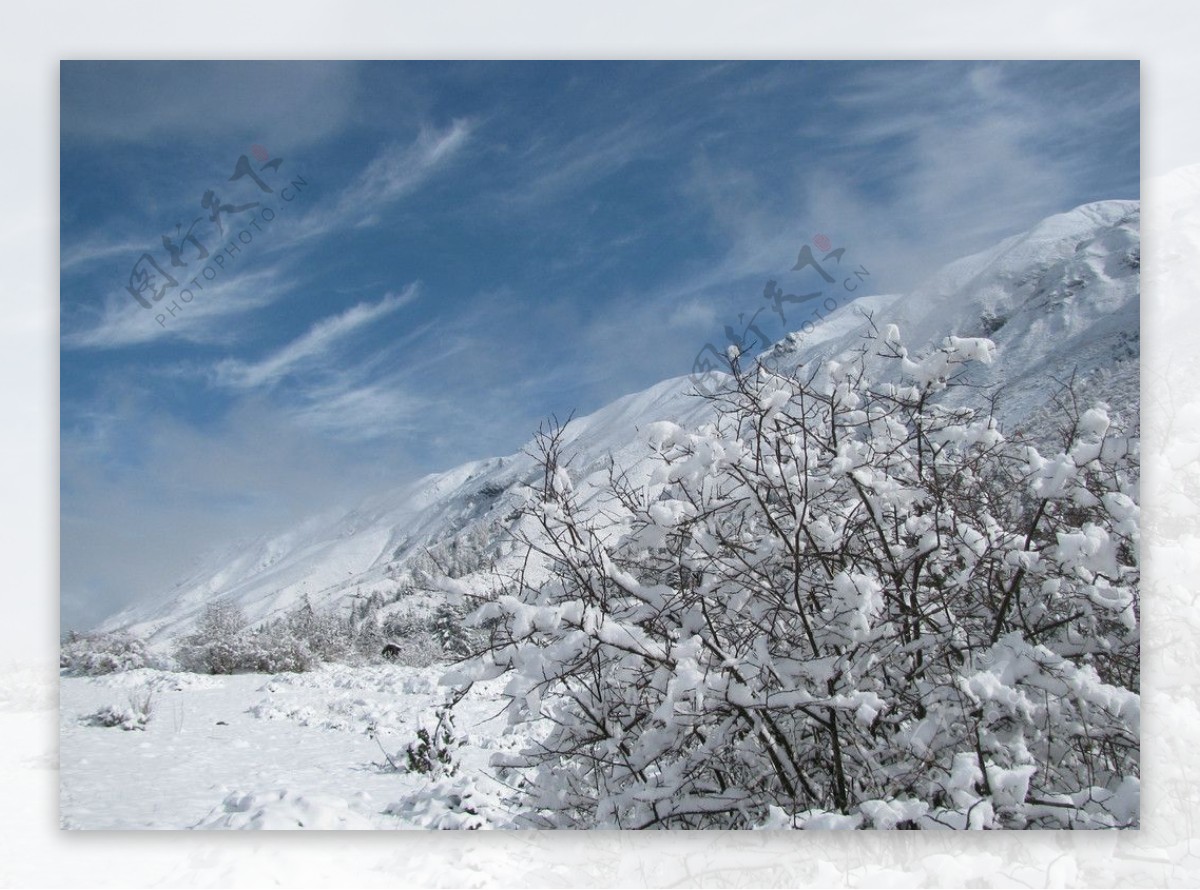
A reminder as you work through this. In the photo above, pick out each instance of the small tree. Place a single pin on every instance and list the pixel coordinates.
(220, 643)
(432, 752)
(450, 633)
(326, 636)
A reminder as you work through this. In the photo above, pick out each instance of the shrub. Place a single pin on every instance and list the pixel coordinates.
(299, 641)
(105, 653)
(432, 753)
(133, 717)
(219, 645)
(843, 600)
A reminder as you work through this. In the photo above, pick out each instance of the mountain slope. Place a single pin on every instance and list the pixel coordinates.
(1058, 300)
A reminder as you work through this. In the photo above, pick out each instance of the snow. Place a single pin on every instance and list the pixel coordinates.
(250, 751)
(285, 810)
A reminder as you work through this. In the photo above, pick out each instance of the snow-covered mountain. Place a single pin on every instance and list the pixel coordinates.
(1060, 299)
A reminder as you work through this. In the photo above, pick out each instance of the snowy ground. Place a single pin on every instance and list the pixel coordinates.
(258, 751)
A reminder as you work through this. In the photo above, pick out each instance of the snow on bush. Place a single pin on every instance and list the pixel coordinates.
(283, 810)
(223, 644)
(105, 653)
(841, 605)
(451, 804)
(431, 753)
(135, 715)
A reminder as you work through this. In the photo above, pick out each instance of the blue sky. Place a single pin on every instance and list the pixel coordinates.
(469, 247)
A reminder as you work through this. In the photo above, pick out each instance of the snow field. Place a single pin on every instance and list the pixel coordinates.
(250, 751)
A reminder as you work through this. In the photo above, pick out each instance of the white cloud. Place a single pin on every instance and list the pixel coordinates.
(963, 162)
(314, 344)
(399, 170)
(393, 174)
(357, 412)
(204, 319)
(98, 247)
(582, 159)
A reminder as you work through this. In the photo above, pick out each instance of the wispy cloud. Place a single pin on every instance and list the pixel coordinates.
(919, 169)
(965, 160)
(398, 171)
(579, 161)
(120, 321)
(313, 345)
(84, 252)
(358, 412)
(332, 381)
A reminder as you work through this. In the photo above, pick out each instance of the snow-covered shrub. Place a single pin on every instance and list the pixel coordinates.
(299, 641)
(275, 650)
(419, 650)
(412, 639)
(105, 653)
(458, 804)
(369, 640)
(281, 809)
(842, 602)
(134, 716)
(218, 645)
(326, 637)
(141, 704)
(432, 752)
(222, 644)
(109, 716)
